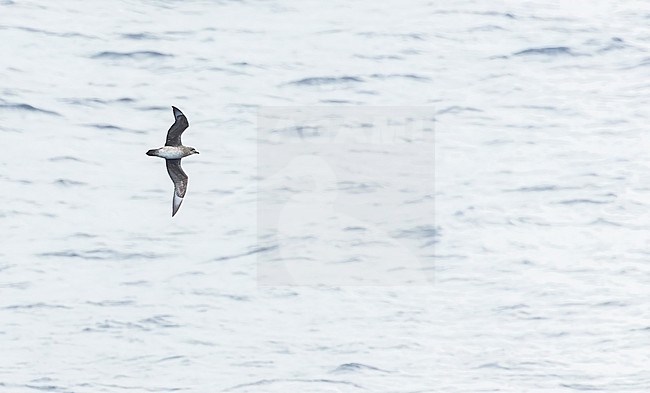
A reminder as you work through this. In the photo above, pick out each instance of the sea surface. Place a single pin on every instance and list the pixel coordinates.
(390, 196)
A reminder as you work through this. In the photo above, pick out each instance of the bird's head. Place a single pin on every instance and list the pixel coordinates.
(193, 151)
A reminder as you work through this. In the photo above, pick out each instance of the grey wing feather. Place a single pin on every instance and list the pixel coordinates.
(176, 130)
(179, 178)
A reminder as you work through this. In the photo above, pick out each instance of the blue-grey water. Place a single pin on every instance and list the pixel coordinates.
(523, 268)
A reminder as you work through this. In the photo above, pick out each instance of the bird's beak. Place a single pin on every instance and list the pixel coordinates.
(196, 152)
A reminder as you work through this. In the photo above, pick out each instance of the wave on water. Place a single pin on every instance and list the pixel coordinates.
(64, 158)
(111, 127)
(49, 33)
(137, 55)
(326, 80)
(548, 51)
(99, 254)
(26, 107)
(105, 127)
(243, 254)
(68, 183)
(292, 383)
(33, 306)
(425, 232)
(140, 36)
(91, 101)
(457, 109)
(404, 76)
(356, 367)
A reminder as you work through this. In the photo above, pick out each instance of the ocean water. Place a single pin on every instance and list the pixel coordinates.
(495, 241)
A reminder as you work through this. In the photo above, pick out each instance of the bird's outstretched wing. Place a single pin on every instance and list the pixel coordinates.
(175, 131)
(180, 183)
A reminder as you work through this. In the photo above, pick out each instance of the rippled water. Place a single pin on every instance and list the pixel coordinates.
(538, 278)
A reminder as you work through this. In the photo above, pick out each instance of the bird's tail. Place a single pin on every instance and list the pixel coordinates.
(152, 152)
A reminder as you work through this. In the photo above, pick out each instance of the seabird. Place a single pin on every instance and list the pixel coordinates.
(172, 152)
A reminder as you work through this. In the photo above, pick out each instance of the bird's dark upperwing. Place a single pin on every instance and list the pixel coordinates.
(180, 183)
(176, 130)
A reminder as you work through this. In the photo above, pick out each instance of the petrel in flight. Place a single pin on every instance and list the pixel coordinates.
(172, 152)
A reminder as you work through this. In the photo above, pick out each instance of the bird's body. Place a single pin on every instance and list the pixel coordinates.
(172, 152)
